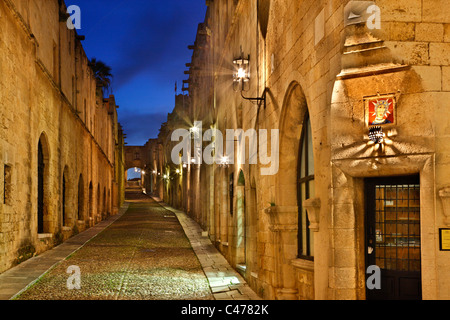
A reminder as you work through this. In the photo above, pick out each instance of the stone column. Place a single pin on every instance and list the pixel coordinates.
(284, 223)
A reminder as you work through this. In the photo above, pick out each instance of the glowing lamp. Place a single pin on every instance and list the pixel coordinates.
(224, 161)
(376, 134)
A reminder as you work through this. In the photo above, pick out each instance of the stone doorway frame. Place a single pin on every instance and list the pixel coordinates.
(347, 270)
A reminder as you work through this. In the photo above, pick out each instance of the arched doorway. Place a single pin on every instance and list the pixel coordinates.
(99, 204)
(134, 178)
(109, 203)
(42, 171)
(64, 199)
(104, 204)
(80, 214)
(90, 203)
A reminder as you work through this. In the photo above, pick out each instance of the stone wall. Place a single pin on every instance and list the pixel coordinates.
(48, 94)
(307, 56)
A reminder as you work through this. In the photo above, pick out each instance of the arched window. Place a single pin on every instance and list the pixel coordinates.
(305, 191)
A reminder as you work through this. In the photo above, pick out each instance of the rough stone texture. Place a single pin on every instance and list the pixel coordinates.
(308, 60)
(144, 255)
(48, 93)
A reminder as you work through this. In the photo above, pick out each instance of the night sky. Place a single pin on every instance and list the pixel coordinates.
(145, 43)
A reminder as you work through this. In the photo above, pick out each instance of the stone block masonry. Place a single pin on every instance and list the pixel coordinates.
(59, 137)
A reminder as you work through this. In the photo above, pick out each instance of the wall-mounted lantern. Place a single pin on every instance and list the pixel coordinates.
(224, 161)
(195, 132)
(376, 134)
(241, 76)
(241, 79)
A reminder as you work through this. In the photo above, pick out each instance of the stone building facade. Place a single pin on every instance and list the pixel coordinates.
(340, 203)
(61, 146)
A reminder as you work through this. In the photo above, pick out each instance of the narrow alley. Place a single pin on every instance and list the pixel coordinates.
(144, 255)
(205, 150)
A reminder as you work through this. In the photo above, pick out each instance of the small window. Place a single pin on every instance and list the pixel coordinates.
(7, 185)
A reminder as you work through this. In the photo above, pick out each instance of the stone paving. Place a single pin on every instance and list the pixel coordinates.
(153, 260)
(16, 280)
(225, 282)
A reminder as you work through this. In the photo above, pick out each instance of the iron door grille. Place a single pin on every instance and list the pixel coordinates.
(397, 227)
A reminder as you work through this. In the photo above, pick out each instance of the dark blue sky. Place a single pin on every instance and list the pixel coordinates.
(145, 43)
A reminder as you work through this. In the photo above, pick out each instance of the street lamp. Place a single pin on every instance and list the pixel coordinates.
(195, 132)
(241, 77)
(224, 161)
(242, 73)
(376, 134)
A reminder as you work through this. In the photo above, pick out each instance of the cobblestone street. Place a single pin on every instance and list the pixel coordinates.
(150, 251)
(143, 255)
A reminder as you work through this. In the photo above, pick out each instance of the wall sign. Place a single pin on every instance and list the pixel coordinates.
(444, 239)
(380, 110)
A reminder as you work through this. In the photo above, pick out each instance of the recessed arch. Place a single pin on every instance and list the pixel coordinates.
(91, 199)
(109, 203)
(65, 196)
(291, 125)
(80, 212)
(43, 162)
(104, 208)
(99, 203)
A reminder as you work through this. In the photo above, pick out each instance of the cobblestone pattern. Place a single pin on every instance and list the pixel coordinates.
(225, 282)
(131, 265)
(143, 255)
